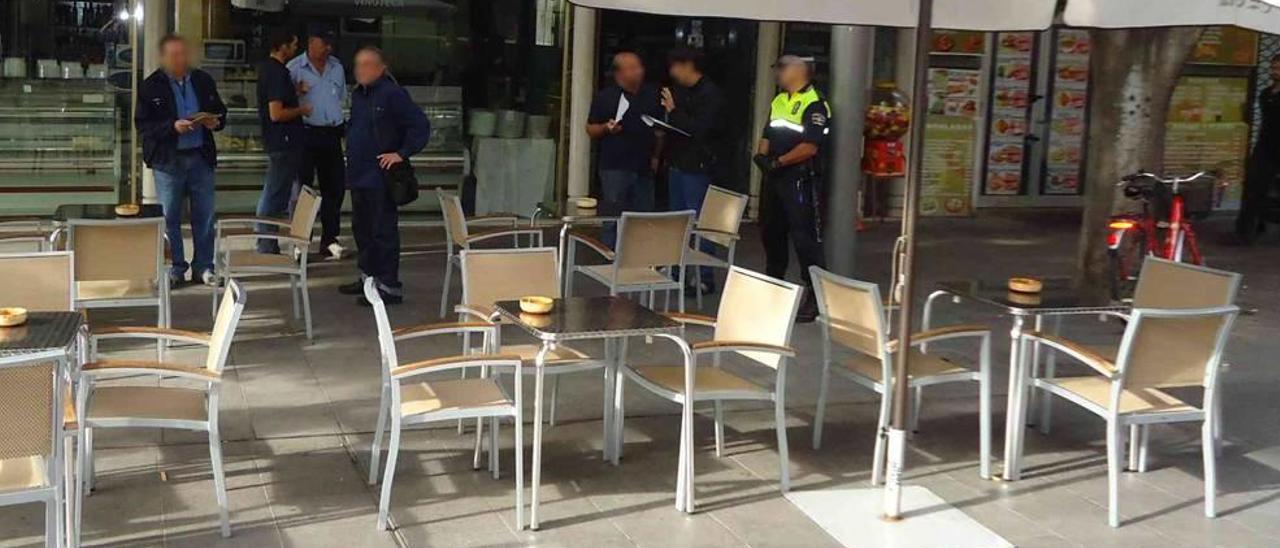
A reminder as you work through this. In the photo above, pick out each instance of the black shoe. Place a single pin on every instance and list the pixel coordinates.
(353, 288)
(808, 309)
(387, 299)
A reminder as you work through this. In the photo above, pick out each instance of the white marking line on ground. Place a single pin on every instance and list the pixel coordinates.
(853, 518)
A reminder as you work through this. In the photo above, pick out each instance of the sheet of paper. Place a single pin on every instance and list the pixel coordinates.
(623, 105)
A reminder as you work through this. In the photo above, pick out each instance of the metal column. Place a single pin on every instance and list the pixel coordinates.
(582, 88)
(768, 44)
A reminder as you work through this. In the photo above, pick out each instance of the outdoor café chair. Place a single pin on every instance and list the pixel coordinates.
(718, 223)
(755, 321)
(31, 418)
(295, 233)
(28, 235)
(409, 400)
(1178, 346)
(458, 236)
(191, 406)
(47, 285)
(647, 242)
(851, 314)
(492, 275)
(119, 263)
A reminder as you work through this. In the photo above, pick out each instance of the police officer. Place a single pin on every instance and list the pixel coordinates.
(788, 157)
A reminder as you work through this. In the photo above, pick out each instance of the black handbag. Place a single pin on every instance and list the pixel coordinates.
(402, 183)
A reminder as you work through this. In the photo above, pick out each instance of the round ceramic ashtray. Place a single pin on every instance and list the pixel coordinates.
(1025, 299)
(13, 316)
(1025, 285)
(586, 203)
(128, 210)
(536, 304)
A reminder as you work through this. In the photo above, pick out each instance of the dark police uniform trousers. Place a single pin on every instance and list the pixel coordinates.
(790, 199)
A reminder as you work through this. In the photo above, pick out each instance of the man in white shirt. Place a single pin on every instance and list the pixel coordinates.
(323, 85)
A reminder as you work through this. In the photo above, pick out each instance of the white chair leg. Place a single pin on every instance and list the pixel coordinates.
(780, 420)
(219, 480)
(877, 464)
(1115, 459)
(1208, 443)
(619, 415)
(1145, 434)
(519, 447)
(444, 290)
(494, 464)
(81, 456)
(1135, 439)
(984, 409)
(719, 429)
(306, 305)
(462, 425)
(51, 523)
(555, 397)
(69, 491)
(681, 469)
(384, 502)
(917, 400)
(293, 295)
(475, 456)
(87, 462)
(376, 449)
(820, 414)
(1217, 427)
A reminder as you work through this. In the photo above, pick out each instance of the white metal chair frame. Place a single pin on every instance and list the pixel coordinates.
(210, 374)
(394, 375)
(1117, 421)
(560, 366)
(616, 258)
(54, 485)
(459, 238)
(715, 349)
(34, 232)
(915, 382)
(161, 298)
(727, 239)
(297, 244)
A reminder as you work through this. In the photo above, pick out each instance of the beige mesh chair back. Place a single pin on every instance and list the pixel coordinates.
(1169, 284)
(117, 250)
(722, 211)
(30, 429)
(1166, 349)
(757, 309)
(1173, 351)
(224, 326)
(455, 220)
(652, 240)
(304, 213)
(492, 275)
(42, 281)
(853, 312)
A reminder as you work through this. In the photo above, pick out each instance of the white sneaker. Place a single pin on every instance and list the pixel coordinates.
(335, 251)
(209, 278)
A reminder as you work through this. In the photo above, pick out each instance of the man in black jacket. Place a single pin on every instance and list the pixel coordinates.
(178, 111)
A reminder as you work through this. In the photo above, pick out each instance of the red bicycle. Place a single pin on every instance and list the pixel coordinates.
(1163, 228)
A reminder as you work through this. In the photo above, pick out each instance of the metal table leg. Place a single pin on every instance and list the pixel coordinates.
(1012, 425)
(540, 365)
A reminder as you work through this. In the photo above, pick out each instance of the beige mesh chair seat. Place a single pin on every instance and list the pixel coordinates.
(719, 223)
(647, 242)
(294, 236)
(1177, 344)
(120, 264)
(187, 398)
(852, 316)
(754, 323)
(31, 436)
(407, 398)
(459, 237)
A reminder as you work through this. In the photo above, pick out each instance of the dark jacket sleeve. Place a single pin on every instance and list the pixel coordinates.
(700, 119)
(411, 122)
(155, 122)
(215, 105)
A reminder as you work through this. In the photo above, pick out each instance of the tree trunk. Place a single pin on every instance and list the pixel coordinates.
(1132, 76)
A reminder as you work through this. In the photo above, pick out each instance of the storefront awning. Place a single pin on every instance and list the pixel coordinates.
(948, 14)
(1259, 15)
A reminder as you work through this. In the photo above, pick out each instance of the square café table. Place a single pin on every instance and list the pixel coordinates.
(44, 333)
(582, 318)
(1058, 298)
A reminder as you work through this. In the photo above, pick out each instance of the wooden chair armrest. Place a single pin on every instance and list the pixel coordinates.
(711, 347)
(943, 333)
(592, 242)
(495, 217)
(694, 319)
(442, 328)
(436, 365)
(250, 219)
(500, 232)
(1088, 356)
(716, 233)
(268, 235)
(135, 367)
(139, 332)
(476, 312)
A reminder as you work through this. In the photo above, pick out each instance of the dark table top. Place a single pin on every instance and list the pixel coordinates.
(43, 331)
(589, 318)
(1059, 296)
(102, 212)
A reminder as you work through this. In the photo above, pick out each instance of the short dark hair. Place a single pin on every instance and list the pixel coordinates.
(686, 54)
(169, 39)
(280, 37)
(322, 33)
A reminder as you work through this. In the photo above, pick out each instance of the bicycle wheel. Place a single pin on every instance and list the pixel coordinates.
(1126, 263)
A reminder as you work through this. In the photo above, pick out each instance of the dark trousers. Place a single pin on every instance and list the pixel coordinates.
(322, 167)
(1258, 182)
(789, 211)
(282, 172)
(376, 225)
(687, 190)
(620, 191)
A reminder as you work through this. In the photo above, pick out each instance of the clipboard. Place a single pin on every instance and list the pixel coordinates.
(654, 122)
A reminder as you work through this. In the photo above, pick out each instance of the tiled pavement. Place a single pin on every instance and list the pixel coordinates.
(296, 421)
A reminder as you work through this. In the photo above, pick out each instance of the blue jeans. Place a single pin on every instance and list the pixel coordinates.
(282, 171)
(188, 176)
(687, 191)
(623, 190)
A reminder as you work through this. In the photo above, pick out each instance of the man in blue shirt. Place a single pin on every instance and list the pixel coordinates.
(281, 114)
(178, 145)
(322, 84)
(386, 128)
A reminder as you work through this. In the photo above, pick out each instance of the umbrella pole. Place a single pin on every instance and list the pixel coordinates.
(906, 283)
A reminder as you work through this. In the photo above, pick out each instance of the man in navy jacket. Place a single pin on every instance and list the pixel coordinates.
(386, 128)
(178, 145)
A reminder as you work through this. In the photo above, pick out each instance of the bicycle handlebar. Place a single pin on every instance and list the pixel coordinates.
(1166, 180)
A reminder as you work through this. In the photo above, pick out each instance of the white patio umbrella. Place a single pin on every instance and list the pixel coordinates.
(1259, 15)
(924, 16)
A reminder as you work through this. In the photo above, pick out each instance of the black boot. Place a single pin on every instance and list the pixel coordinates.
(808, 308)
